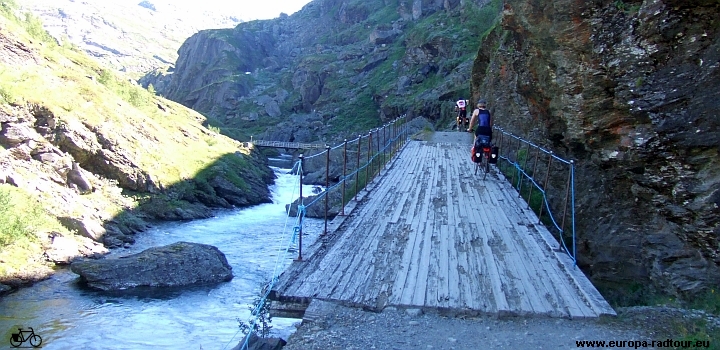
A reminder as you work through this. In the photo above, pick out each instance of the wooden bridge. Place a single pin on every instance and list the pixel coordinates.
(288, 145)
(430, 234)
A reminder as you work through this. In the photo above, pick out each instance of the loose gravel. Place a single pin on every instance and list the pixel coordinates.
(350, 328)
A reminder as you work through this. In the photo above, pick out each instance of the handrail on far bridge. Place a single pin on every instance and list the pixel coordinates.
(517, 155)
(284, 144)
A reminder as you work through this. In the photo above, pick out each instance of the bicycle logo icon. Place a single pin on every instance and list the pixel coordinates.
(17, 339)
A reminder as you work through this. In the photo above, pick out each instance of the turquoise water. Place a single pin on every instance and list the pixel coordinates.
(255, 240)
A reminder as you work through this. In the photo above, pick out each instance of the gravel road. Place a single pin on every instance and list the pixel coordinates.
(351, 328)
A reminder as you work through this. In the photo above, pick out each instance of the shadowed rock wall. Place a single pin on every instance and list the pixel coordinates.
(631, 90)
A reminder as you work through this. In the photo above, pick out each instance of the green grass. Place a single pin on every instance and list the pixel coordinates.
(682, 329)
(18, 220)
(31, 24)
(22, 217)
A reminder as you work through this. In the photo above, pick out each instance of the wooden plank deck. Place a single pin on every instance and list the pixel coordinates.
(431, 234)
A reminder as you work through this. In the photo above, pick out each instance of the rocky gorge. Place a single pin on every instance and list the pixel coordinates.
(627, 89)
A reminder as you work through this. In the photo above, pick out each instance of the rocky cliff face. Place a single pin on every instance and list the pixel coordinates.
(631, 90)
(341, 65)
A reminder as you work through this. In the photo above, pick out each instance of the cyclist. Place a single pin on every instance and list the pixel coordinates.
(461, 108)
(484, 120)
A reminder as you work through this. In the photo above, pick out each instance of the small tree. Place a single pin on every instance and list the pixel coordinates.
(260, 311)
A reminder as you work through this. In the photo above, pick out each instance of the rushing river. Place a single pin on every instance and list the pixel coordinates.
(254, 240)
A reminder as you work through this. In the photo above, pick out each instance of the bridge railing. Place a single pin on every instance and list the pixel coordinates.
(545, 181)
(283, 144)
(360, 160)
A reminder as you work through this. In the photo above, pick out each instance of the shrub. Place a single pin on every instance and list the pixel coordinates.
(19, 217)
(260, 319)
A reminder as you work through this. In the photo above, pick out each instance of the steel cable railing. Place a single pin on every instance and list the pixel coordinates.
(517, 151)
(392, 144)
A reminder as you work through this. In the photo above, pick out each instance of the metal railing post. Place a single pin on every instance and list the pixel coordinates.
(565, 206)
(327, 185)
(547, 176)
(368, 165)
(300, 200)
(514, 161)
(357, 168)
(384, 147)
(537, 154)
(377, 154)
(394, 129)
(572, 207)
(342, 207)
(524, 168)
(502, 140)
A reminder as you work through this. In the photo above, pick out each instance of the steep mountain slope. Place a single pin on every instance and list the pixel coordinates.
(84, 153)
(631, 90)
(131, 36)
(332, 69)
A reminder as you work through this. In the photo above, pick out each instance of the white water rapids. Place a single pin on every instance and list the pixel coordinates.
(69, 316)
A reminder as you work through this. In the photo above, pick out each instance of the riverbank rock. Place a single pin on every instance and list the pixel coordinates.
(257, 343)
(63, 249)
(4, 289)
(177, 264)
(317, 209)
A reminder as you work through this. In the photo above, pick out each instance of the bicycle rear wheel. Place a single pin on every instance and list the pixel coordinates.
(15, 342)
(35, 340)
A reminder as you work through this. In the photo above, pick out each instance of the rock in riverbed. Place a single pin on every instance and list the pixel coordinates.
(177, 264)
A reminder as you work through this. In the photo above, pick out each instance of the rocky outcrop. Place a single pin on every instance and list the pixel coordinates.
(339, 60)
(631, 91)
(178, 264)
(317, 209)
(63, 250)
(191, 87)
(257, 343)
(86, 227)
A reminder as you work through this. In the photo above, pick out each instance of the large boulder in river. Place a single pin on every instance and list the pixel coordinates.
(177, 264)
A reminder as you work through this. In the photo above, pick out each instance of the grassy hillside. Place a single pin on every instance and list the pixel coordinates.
(94, 106)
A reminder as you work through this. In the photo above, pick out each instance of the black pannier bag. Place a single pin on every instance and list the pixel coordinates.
(494, 155)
